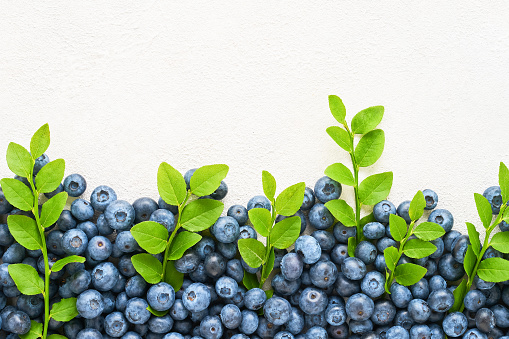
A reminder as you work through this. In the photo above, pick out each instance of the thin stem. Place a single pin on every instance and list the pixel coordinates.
(356, 189)
(400, 250)
(268, 248)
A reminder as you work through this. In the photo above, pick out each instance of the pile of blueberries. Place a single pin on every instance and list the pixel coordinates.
(319, 291)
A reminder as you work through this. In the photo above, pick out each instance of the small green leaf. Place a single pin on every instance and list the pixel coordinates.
(56, 336)
(19, 160)
(375, 188)
(428, 231)
(409, 274)
(391, 256)
(269, 293)
(66, 260)
(269, 185)
(200, 214)
(386, 285)
(398, 227)
(417, 205)
(341, 137)
(207, 179)
(151, 236)
(171, 184)
(267, 269)
(157, 313)
(173, 277)
(341, 211)
(17, 194)
(459, 294)
(367, 219)
(285, 232)
(340, 173)
(50, 176)
(473, 236)
(250, 280)
(370, 148)
(64, 310)
(148, 267)
(182, 242)
(25, 230)
(261, 220)
(252, 251)
(493, 270)
(290, 200)
(469, 261)
(352, 243)
(500, 242)
(35, 331)
(337, 108)
(484, 209)
(26, 278)
(40, 141)
(367, 119)
(52, 209)
(417, 248)
(503, 181)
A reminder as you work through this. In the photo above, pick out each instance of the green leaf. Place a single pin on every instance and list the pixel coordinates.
(341, 137)
(157, 313)
(267, 269)
(171, 184)
(207, 179)
(290, 200)
(35, 331)
(269, 294)
(340, 173)
(250, 280)
(66, 260)
(56, 336)
(26, 278)
(417, 248)
(469, 261)
(64, 310)
(40, 141)
(370, 148)
(337, 108)
(398, 227)
(25, 230)
(285, 232)
(261, 220)
(473, 236)
(182, 242)
(252, 251)
(391, 256)
(17, 194)
(503, 181)
(484, 209)
(50, 176)
(459, 294)
(428, 231)
(173, 277)
(409, 274)
(19, 160)
(367, 119)
(367, 219)
(417, 205)
(493, 270)
(148, 267)
(52, 209)
(269, 185)
(375, 188)
(151, 236)
(386, 285)
(200, 214)
(500, 242)
(352, 243)
(341, 211)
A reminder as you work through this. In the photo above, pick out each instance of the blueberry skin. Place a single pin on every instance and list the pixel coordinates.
(227, 250)
(160, 324)
(360, 327)
(188, 175)
(66, 221)
(335, 315)
(325, 239)
(442, 217)
(441, 300)
(136, 286)
(32, 305)
(115, 324)
(120, 215)
(382, 211)
(431, 199)
(397, 332)
(439, 243)
(172, 335)
(455, 324)
(126, 242)
(313, 301)
(82, 210)
(211, 327)
(460, 247)
(474, 333)
(249, 322)
(239, 213)
(419, 310)
(104, 276)
(90, 304)
(320, 217)
(474, 300)
(359, 307)
(437, 282)
(308, 248)
(75, 185)
(501, 316)
(449, 268)
(99, 248)
(188, 262)
(89, 333)
(384, 312)
(420, 331)
(342, 233)
(353, 268)
(402, 211)
(143, 208)
(259, 201)
(204, 247)
(323, 274)
(80, 281)
(220, 192)
(89, 228)
(494, 197)
(226, 229)
(449, 239)
(254, 299)
(374, 230)
(327, 189)
(74, 242)
(309, 199)
(400, 295)
(485, 320)
(277, 310)
(366, 252)
(339, 253)
(14, 254)
(6, 239)
(18, 322)
(373, 284)
(292, 266)
(346, 287)
(301, 215)
(226, 287)
(285, 287)
(316, 332)
(164, 205)
(165, 218)
(231, 316)
(125, 266)
(420, 290)
(161, 296)
(101, 197)
(5, 206)
(196, 297)
(481, 284)
(136, 311)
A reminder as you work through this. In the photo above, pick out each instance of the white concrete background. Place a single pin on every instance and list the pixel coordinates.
(126, 85)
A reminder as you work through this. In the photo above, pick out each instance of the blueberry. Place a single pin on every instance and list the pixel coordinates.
(226, 229)
(374, 230)
(431, 199)
(346, 287)
(474, 300)
(136, 286)
(160, 324)
(75, 185)
(439, 243)
(99, 248)
(74, 242)
(188, 175)
(89, 228)
(419, 310)
(90, 304)
(308, 248)
(32, 305)
(420, 331)
(249, 322)
(397, 332)
(143, 208)
(136, 311)
(449, 239)
(494, 197)
(239, 213)
(361, 326)
(323, 274)
(255, 298)
(485, 320)
(313, 301)
(501, 315)
(285, 287)
(259, 201)
(126, 242)
(373, 284)
(455, 324)
(125, 266)
(277, 310)
(234, 270)
(449, 268)
(320, 217)
(353, 268)
(384, 312)
(481, 284)
(173, 335)
(104, 276)
(366, 252)
(115, 324)
(327, 189)
(80, 281)
(188, 262)
(301, 215)
(204, 247)
(325, 239)
(5, 206)
(161, 296)
(382, 211)
(227, 250)
(339, 253)
(474, 333)
(101, 197)
(164, 205)
(226, 287)
(342, 233)
(309, 199)
(292, 266)
(420, 289)
(89, 333)
(220, 192)
(402, 211)
(211, 327)
(316, 332)
(14, 254)
(460, 247)
(6, 239)
(442, 217)
(441, 300)
(359, 307)
(82, 209)
(403, 319)
(196, 297)
(120, 215)
(54, 242)
(165, 218)
(231, 316)
(400, 295)
(335, 315)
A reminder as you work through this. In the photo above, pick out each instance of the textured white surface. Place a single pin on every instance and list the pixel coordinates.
(125, 85)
